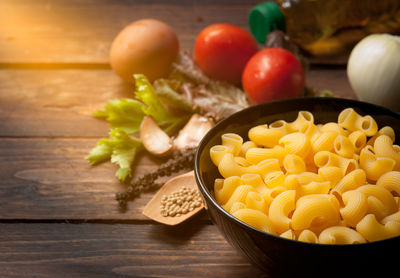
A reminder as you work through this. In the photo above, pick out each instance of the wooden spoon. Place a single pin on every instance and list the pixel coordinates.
(153, 210)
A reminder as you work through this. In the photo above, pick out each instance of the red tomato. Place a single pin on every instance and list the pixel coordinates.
(222, 51)
(273, 73)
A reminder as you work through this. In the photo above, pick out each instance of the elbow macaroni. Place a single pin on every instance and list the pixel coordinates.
(224, 188)
(332, 183)
(308, 236)
(280, 208)
(340, 235)
(373, 165)
(237, 206)
(355, 207)
(383, 147)
(390, 181)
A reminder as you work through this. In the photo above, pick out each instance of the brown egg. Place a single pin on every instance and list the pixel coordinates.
(146, 46)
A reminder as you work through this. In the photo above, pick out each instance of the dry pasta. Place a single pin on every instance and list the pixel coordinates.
(332, 174)
(351, 181)
(224, 188)
(314, 213)
(358, 139)
(233, 142)
(256, 155)
(386, 130)
(340, 235)
(310, 130)
(288, 234)
(393, 217)
(343, 146)
(239, 195)
(314, 187)
(383, 147)
(308, 236)
(303, 118)
(246, 146)
(390, 181)
(323, 142)
(334, 127)
(374, 165)
(255, 218)
(265, 136)
(280, 208)
(229, 167)
(380, 201)
(328, 183)
(372, 230)
(295, 143)
(268, 165)
(255, 200)
(237, 206)
(355, 207)
(325, 158)
(256, 181)
(294, 164)
(274, 179)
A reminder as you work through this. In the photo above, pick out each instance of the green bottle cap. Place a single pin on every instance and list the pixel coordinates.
(265, 18)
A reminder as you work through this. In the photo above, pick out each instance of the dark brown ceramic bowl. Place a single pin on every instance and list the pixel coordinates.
(280, 256)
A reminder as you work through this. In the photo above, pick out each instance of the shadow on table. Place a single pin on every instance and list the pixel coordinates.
(182, 233)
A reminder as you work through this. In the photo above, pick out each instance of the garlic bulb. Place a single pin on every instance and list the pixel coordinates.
(373, 70)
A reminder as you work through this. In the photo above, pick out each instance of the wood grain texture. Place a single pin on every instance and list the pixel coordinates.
(97, 250)
(64, 31)
(332, 79)
(57, 103)
(45, 176)
(54, 72)
(48, 178)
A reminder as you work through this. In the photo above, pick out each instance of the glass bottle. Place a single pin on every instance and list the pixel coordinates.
(325, 27)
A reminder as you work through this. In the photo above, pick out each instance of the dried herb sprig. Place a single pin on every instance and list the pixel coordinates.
(148, 182)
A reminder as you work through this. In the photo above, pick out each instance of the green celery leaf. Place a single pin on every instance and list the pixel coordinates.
(126, 114)
(123, 174)
(166, 90)
(154, 106)
(124, 152)
(101, 152)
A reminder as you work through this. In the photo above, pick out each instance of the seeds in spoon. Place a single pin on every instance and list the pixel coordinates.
(180, 202)
(147, 182)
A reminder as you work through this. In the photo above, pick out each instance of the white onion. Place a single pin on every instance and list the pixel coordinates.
(373, 70)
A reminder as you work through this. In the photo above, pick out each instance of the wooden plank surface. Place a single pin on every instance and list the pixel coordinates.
(48, 178)
(122, 250)
(333, 79)
(58, 214)
(54, 103)
(80, 32)
(48, 174)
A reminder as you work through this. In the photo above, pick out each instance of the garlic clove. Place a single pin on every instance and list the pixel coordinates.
(192, 133)
(154, 139)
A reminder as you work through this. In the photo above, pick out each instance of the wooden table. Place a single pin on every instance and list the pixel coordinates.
(59, 217)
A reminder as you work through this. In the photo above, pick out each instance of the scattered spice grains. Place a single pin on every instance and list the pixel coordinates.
(180, 202)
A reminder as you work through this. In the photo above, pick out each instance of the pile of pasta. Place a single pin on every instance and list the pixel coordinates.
(332, 183)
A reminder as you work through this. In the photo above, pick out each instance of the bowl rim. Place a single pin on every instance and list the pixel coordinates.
(210, 134)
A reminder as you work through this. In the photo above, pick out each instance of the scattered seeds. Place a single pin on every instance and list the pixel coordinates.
(180, 202)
